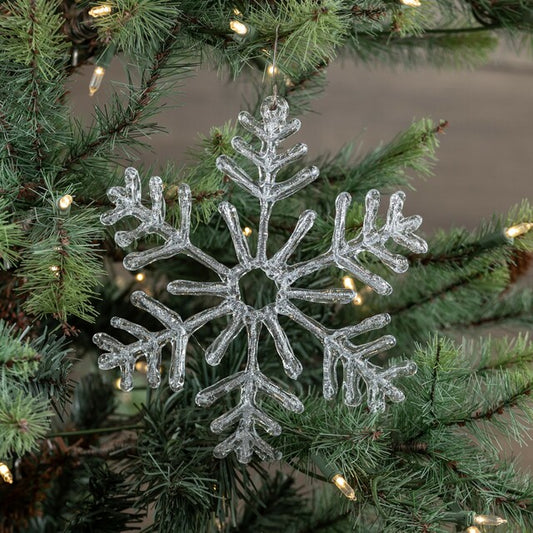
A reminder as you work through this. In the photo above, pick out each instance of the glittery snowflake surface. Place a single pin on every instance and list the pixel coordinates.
(360, 376)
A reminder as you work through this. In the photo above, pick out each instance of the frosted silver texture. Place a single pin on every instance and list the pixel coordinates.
(339, 348)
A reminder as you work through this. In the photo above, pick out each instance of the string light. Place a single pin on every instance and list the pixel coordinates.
(100, 11)
(518, 229)
(349, 284)
(272, 70)
(117, 383)
(5, 473)
(411, 3)
(55, 269)
(331, 473)
(247, 231)
(238, 27)
(75, 57)
(473, 529)
(96, 80)
(341, 483)
(65, 202)
(141, 366)
(488, 520)
(140, 276)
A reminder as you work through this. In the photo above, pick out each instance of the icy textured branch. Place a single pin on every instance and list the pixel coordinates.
(128, 203)
(176, 334)
(372, 239)
(245, 441)
(273, 129)
(354, 359)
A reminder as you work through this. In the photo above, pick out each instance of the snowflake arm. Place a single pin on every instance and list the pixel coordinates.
(354, 359)
(176, 334)
(371, 239)
(128, 203)
(245, 440)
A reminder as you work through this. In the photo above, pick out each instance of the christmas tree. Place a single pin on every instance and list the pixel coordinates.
(284, 290)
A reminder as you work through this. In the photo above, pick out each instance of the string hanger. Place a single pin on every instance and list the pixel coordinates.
(274, 70)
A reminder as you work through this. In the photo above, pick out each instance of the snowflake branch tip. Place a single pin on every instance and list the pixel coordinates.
(245, 444)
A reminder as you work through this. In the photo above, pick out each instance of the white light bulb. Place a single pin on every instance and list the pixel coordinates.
(96, 80)
(238, 27)
(65, 202)
(341, 483)
(5, 473)
(100, 11)
(518, 229)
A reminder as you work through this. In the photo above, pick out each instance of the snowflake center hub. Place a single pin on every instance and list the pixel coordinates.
(257, 289)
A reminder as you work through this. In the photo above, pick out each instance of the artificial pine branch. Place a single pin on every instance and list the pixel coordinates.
(126, 121)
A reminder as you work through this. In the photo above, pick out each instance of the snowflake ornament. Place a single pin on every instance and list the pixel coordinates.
(252, 382)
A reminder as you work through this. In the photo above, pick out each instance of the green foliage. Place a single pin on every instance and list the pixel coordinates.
(410, 153)
(17, 356)
(31, 35)
(205, 180)
(172, 473)
(51, 378)
(106, 507)
(136, 25)
(33, 378)
(440, 49)
(431, 459)
(309, 32)
(61, 267)
(23, 420)
(277, 506)
(11, 237)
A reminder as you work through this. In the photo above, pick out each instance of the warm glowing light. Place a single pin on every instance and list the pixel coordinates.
(140, 276)
(100, 11)
(96, 80)
(141, 366)
(518, 229)
(343, 486)
(65, 202)
(489, 520)
(473, 529)
(348, 283)
(117, 383)
(358, 299)
(236, 12)
(411, 3)
(238, 27)
(5, 473)
(272, 70)
(55, 269)
(247, 231)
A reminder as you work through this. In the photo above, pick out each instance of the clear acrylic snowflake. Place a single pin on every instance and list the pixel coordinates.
(338, 347)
